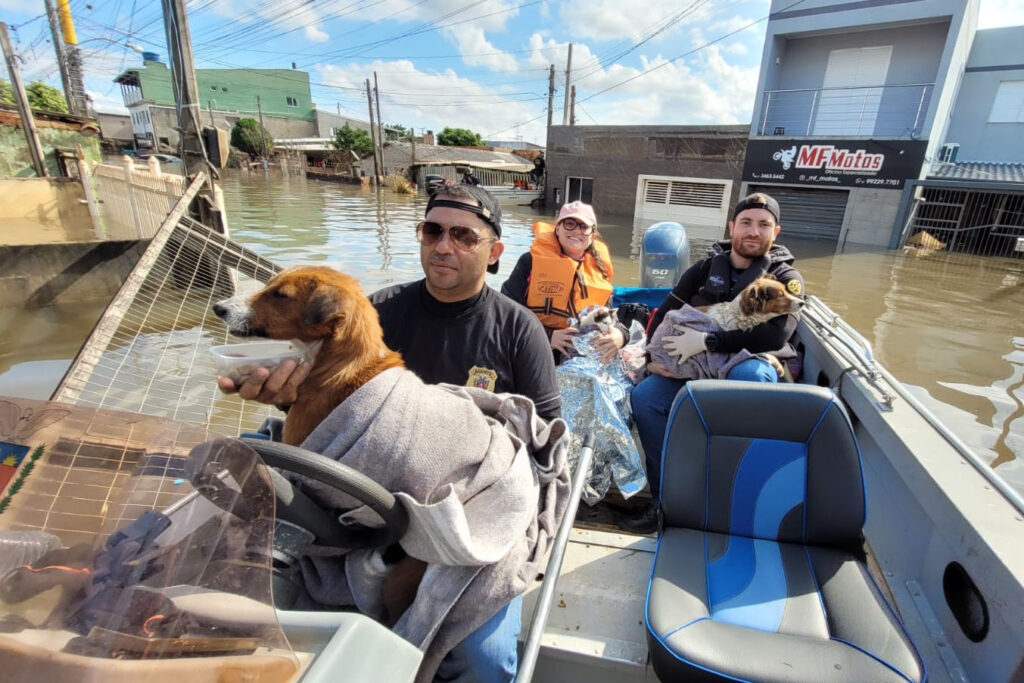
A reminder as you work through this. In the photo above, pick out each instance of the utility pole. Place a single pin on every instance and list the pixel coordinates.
(572, 107)
(62, 65)
(209, 208)
(380, 124)
(551, 93)
(28, 124)
(72, 59)
(263, 134)
(412, 140)
(373, 133)
(568, 77)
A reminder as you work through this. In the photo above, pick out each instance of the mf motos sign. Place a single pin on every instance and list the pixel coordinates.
(847, 163)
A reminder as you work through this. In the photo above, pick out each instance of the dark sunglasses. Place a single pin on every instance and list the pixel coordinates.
(466, 239)
(571, 225)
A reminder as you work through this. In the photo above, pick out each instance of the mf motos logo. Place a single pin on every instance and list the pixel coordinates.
(785, 156)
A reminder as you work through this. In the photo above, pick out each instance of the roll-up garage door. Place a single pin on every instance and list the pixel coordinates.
(808, 213)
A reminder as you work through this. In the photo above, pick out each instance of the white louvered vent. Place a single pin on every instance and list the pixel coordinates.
(656, 192)
(696, 194)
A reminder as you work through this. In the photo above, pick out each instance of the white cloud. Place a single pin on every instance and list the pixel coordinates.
(476, 50)
(994, 13)
(411, 96)
(704, 88)
(615, 19)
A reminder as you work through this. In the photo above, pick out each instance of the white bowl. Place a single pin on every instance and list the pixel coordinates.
(238, 361)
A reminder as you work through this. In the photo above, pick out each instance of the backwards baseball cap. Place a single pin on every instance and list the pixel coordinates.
(758, 200)
(487, 207)
(579, 211)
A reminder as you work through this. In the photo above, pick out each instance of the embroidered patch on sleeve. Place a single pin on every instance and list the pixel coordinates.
(795, 287)
(483, 378)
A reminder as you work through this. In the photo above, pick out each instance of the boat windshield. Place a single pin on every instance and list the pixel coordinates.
(131, 548)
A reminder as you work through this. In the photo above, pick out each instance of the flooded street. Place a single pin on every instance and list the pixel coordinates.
(948, 325)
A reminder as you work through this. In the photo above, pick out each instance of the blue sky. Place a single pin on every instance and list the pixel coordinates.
(473, 64)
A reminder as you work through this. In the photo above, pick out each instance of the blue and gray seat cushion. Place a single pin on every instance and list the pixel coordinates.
(756, 576)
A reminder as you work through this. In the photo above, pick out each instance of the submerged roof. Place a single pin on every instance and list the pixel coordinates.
(979, 171)
(400, 154)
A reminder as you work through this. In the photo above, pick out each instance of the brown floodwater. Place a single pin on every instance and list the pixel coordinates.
(949, 326)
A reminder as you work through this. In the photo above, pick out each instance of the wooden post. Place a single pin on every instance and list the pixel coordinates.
(373, 134)
(129, 179)
(381, 137)
(85, 175)
(568, 78)
(263, 135)
(28, 124)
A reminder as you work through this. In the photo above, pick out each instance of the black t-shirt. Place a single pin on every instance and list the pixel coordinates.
(488, 341)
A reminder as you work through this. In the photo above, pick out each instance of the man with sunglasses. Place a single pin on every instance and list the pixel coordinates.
(451, 327)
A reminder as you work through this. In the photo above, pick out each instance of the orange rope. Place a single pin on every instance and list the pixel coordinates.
(83, 570)
(145, 625)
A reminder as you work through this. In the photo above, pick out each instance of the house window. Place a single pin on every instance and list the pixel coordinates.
(223, 89)
(213, 88)
(1009, 103)
(292, 102)
(581, 189)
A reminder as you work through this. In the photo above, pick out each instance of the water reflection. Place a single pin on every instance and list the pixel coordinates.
(948, 324)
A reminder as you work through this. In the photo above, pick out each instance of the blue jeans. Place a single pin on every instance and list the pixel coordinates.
(488, 655)
(652, 400)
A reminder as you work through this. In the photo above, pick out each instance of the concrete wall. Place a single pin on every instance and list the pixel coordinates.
(165, 120)
(43, 210)
(614, 156)
(15, 161)
(995, 57)
(38, 275)
(870, 217)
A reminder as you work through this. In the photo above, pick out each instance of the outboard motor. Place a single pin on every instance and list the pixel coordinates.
(664, 255)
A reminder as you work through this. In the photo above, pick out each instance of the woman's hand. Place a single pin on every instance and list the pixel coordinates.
(561, 340)
(608, 344)
(279, 388)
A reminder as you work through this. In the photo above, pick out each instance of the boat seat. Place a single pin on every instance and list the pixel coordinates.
(758, 573)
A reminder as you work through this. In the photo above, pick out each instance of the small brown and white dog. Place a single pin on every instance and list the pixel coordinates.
(760, 301)
(328, 311)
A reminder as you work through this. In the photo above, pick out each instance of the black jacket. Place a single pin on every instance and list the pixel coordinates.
(714, 280)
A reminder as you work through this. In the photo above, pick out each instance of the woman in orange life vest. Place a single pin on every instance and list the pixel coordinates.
(566, 270)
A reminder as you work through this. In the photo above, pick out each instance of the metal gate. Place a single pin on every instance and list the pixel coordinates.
(808, 213)
(990, 223)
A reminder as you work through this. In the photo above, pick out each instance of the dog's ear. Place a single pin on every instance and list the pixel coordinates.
(749, 303)
(324, 305)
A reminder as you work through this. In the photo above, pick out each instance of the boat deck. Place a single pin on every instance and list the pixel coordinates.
(595, 631)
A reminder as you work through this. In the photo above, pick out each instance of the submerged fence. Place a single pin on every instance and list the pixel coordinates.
(134, 199)
(984, 222)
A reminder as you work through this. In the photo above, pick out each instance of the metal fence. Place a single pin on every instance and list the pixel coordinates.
(486, 176)
(984, 222)
(883, 110)
(133, 200)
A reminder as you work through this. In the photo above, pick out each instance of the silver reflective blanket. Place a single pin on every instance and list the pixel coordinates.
(595, 399)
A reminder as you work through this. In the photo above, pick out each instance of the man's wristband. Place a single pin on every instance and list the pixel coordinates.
(711, 341)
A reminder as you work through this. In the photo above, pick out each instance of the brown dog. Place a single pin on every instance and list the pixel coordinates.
(327, 310)
(760, 301)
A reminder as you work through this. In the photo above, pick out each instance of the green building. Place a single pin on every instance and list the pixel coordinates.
(226, 95)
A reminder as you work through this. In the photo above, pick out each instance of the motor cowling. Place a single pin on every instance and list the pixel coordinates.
(664, 254)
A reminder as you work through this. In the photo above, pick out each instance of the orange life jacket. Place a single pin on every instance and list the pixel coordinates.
(559, 286)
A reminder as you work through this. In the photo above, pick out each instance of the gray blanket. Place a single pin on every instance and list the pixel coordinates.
(703, 365)
(484, 480)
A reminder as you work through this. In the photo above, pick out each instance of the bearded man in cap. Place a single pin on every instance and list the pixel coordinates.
(750, 253)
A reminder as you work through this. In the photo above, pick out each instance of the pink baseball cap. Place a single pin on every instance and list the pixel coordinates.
(579, 211)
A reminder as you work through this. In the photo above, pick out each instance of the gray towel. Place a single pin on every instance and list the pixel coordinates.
(484, 480)
(703, 365)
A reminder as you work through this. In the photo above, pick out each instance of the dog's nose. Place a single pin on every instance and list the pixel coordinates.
(220, 310)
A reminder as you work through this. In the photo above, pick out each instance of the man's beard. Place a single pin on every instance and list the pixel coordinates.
(751, 251)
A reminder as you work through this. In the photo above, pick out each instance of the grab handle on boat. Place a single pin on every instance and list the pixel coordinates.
(531, 649)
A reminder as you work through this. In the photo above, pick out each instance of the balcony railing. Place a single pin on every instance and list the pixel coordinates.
(878, 111)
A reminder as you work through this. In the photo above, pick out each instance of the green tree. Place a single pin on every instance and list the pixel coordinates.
(6, 94)
(46, 97)
(245, 135)
(353, 139)
(459, 137)
(396, 131)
